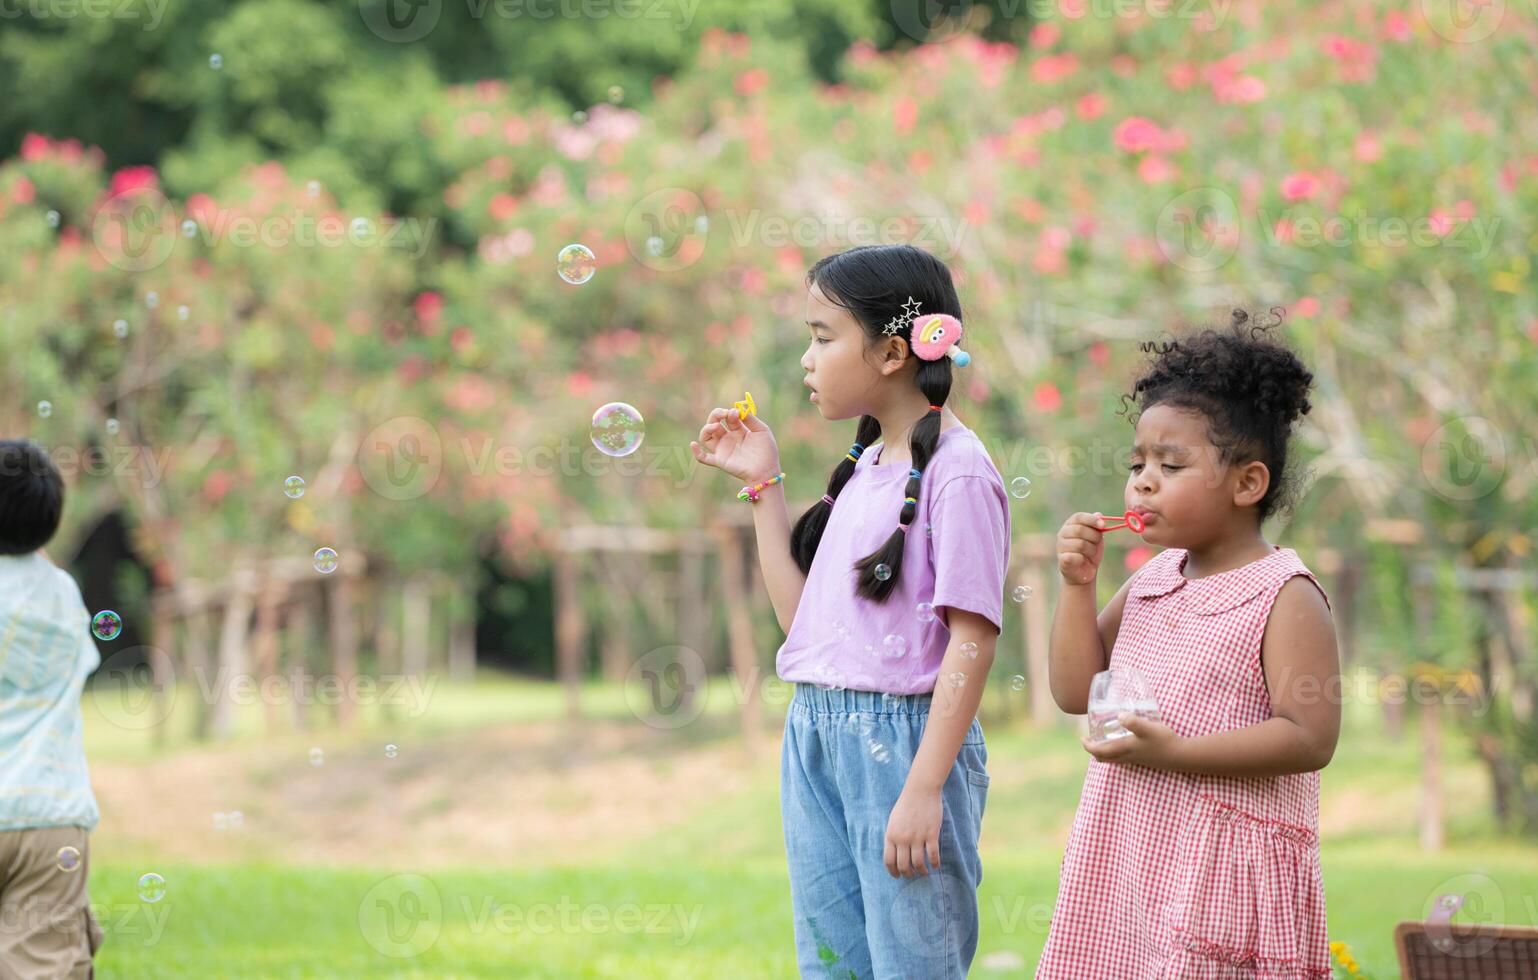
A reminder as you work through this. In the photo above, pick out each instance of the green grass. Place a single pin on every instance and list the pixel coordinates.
(713, 889)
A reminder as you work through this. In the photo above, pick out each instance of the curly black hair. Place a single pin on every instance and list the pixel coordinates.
(1249, 385)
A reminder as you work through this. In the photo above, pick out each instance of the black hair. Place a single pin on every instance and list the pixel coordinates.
(873, 282)
(1249, 385)
(31, 497)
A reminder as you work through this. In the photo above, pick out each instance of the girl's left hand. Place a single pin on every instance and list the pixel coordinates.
(913, 832)
(1151, 744)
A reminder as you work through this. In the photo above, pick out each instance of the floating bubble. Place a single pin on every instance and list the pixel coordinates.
(151, 300)
(579, 117)
(702, 225)
(216, 61)
(44, 409)
(883, 572)
(317, 758)
(325, 560)
(293, 487)
(112, 427)
(576, 263)
(68, 859)
(926, 612)
(221, 821)
(655, 245)
(878, 751)
(183, 312)
(616, 94)
(152, 887)
(929, 530)
(390, 751)
(312, 188)
(889, 700)
(120, 328)
(237, 819)
(53, 219)
(106, 625)
(958, 679)
(1020, 487)
(360, 226)
(617, 429)
(1021, 593)
(189, 229)
(969, 650)
(1017, 682)
(894, 646)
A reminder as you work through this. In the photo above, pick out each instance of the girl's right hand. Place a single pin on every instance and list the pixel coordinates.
(1080, 545)
(743, 448)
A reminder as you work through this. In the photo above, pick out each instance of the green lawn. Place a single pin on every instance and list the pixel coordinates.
(708, 897)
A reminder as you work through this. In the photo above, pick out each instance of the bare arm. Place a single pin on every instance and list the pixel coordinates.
(1081, 641)
(782, 576)
(1298, 654)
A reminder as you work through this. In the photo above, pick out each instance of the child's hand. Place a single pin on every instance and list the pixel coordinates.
(743, 448)
(1152, 744)
(912, 844)
(1080, 544)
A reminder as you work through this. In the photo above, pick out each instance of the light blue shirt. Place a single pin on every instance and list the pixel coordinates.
(46, 653)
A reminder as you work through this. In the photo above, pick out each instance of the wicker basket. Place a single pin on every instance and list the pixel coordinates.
(1476, 952)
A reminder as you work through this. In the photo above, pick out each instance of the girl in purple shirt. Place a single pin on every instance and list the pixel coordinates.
(890, 591)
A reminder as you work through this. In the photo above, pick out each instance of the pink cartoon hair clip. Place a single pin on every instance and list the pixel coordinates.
(931, 336)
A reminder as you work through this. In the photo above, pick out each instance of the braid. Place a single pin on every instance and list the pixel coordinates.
(934, 379)
(808, 530)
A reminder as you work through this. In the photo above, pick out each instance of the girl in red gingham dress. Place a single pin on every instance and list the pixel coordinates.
(1195, 850)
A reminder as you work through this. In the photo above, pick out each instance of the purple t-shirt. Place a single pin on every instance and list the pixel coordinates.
(839, 638)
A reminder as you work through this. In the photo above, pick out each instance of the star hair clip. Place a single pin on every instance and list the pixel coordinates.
(900, 323)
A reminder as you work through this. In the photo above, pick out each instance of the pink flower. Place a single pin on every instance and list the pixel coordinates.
(515, 131)
(579, 383)
(1306, 306)
(1045, 34)
(1300, 186)
(1366, 148)
(23, 192)
(1054, 67)
(461, 339)
(216, 485)
(1396, 26)
(132, 179)
(1441, 221)
(1283, 231)
(35, 146)
(1091, 105)
(1154, 169)
(428, 306)
(904, 115)
(1099, 353)
(1241, 91)
(503, 206)
(1047, 397)
(751, 82)
(1137, 135)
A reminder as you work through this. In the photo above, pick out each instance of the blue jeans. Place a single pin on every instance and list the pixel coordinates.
(845, 759)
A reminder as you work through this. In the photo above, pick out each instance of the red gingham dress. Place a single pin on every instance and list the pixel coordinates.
(1172, 874)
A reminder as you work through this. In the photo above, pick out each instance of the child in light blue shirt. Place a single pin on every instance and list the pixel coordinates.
(46, 806)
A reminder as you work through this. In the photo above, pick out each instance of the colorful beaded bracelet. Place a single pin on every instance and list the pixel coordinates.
(750, 494)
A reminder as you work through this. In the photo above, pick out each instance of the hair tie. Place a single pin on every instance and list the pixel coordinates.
(903, 528)
(915, 474)
(934, 408)
(853, 455)
(911, 500)
(828, 499)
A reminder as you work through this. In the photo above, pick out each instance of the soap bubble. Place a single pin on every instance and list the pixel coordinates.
(617, 429)
(53, 219)
(120, 328)
(151, 299)
(1022, 593)
(878, 751)
(293, 487)
(1017, 682)
(926, 612)
(360, 227)
(325, 560)
(183, 312)
(616, 94)
(655, 245)
(68, 858)
(894, 646)
(579, 117)
(216, 61)
(237, 819)
(44, 409)
(221, 821)
(969, 650)
(313, 188)
(883, 572)
(958, 679)
(390, 751)
(112, 427)
(189, 229)
(702, 225)
(106, 625)
(1020, 487)
(317, 757)
(576, 264)
(152, 887)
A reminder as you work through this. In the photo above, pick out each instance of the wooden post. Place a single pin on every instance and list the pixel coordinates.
(265, 645)
(1037, 635)
(342, 631)
(233, 635)
(1432, 834)
(568, 630)
(300, 635)
(739, 628)
(162, 661)
(416, 626)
